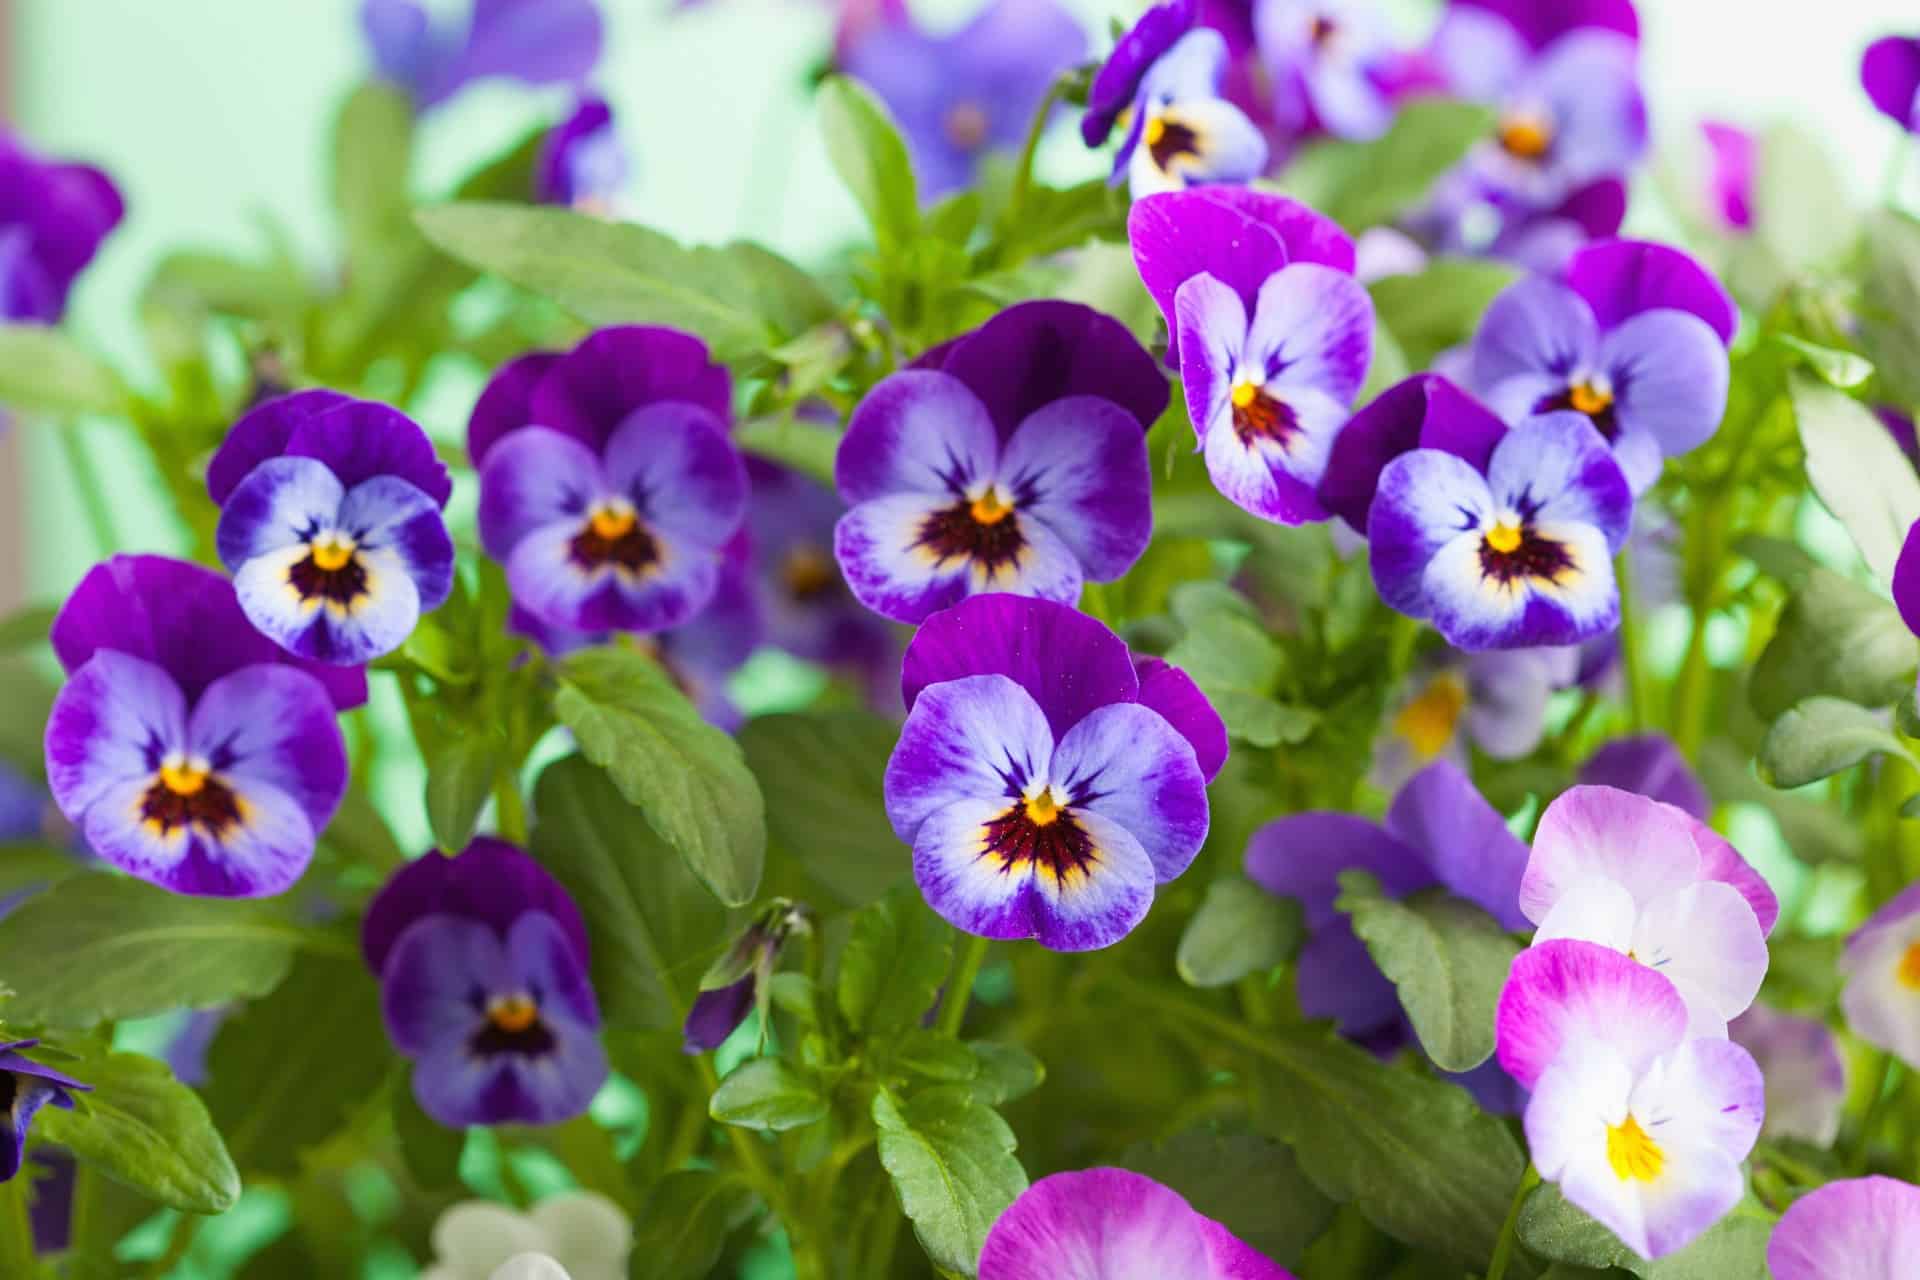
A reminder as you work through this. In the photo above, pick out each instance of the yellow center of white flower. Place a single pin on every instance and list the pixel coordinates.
(1504, 538)
(332, 553)
(1635, 1157)
(1043, 810)
(991, 508)
(1427, 723)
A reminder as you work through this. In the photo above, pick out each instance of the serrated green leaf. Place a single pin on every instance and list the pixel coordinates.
(1820, 737)
(927, 1053)
(688, 779)
(1835, 637)
(143, 1128)
(1239, 929)
(1735, 1248)
(460, 774)
(1248, 1183)
(893, 964)
(1857, 470)
(768, 1095)
(866, 150)
(42, 370)
(951, 1160)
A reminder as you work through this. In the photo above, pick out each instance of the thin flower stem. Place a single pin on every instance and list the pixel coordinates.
(510, 808)
(966, 967)
(1510, 1229)
(1023, 171)
(1862, 1146)
(1629, 646)
(86, 479)
(16, 1229)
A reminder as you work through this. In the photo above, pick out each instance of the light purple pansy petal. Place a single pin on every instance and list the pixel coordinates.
(1275, 477)
(1537, 326)
(546, 577)
(506, 404)
(974, 738)
(591, 391)
(387, 515)
(1441, 813)
(1171, 692)
(1418, 509)
(1312, 327)
(1301, 856)
(279, 504)
(431, 971)
(1480, 55)
(1079, 466)
(376, 622)
(491, 881)
(674, 462)
(273, 725)
(1649, 765)
(1210, 322)
(917, 431)
(1619, 279)
(1854, 1229)
(534, 478)
(1567, 992)
(888, 565)
(534, 41)
(1645, 846)
(1559, 463)
(1806, 1078)
(1670, 376)
(1425, 411)
(1127, 764)
(110, 724)
(1507, 695)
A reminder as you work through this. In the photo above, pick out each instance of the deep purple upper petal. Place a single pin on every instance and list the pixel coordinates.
(1890, 73)
(56, 216)
(715, 1014)
(1541, 22)
(592, 390)
(492, 881)
(1070, 663)
(1177, 235)
(1170, 691)
(1622, 278)
(580, 158)
(356, 439)
(1120, 75)
(1597, 208)
(1650, 765)
(506, 404)
(1425, 411)
(1301, 856)
(1441, 813)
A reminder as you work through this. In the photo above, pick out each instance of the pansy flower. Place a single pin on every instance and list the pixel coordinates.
(53, 217)
(962, 95)
(583, 162)
(27, 1086)
(1497, 701)
(538, 42)
(608, 485)
(1882, 969)
(482, 961)
(1806, 1076)
(1113, 1224)
(1733, 158)
(330, 523)
(1426, 411)
(1440, 831)
(1468, 215)
(1641, 1126)
(1657, 884)
(182, 746)
(1633, 337)
(1890, 73)
(1044, 782)
(1854, 1229)
(1516, 556)
(1012, 460)
(740, 978)
(1332, 63)
(571, 1235)
(1164, 78)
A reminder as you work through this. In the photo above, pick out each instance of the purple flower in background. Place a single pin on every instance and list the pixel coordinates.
(583, 162)
(1734, 159)
(1467, 215)
(1518, 556)
(1890, 73)
(1014, 459)
(962, 95)
(1045, 783)
(1634, 338)
(1438, 831)
(27, 1087)
(330, 523)
(1425, 411)
(1855, 1229)
(1806, 1077)
(608, 485)
(1906, 576)
(1164, 77)
(1882, 968)
(1332, 64)
(482, 961)
(1649, 765)
(1899, 425)
(1497, 701)
(538, 42)
(52, 219)
(1113, 1224)
(183, 748)
(739, 978)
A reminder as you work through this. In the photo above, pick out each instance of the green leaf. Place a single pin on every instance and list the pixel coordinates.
(820, 772)
(28, 865)
(28, 696)
(893, 964)
(143, 1128)
(1006, 1072)
(684, 1224)
(1239, 929)
(768, 1095)
(926, 1052)
(372, 164)
(1834, 637)
(1795, 213)
(100, 948)
(1236, 664)
(285, 1072)
(460, 775)
(1414, 1154)
(42, 370)
(1890, 302)
(1447, 958)
(1836, 368)
(1366, 184)
(867, 151)
(654, 929)
(430, 1149)
(688, 779)
(805, 446)
(1247, 1183)
(1858, 471)
(1441, 306)
(951, 1160)
(26, 628)
(1820, 737)
(1735, 1248)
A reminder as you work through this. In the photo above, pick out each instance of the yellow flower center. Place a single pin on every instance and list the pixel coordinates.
(1909, 970)
(332, 553)
(1504, 538)
(1043, 810)
(1155, 130)
(1635, 1157)
(1589, 399)
(991, 508)
(1245, 394)
(513, 1013)
(808, 572)
(1526, 135)
(611, 523)
(1427, 722)
(181, 778)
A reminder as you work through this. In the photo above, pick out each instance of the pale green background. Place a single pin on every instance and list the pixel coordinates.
(213, 114)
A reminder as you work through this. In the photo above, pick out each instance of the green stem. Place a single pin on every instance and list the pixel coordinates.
(1509, 1230)
(16, 1230)
(966, 967)
(85, 479)
(510, 808)
(1862, 1145)
(1023, 170)
(1630, 655)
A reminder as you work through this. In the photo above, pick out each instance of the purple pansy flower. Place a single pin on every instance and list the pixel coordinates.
(1639, 1125)
(1634, 337)
(608, 485)
(1649, 765)
(1806, 1077)
(1890, 73)
(583, 162)
(185, 752)
(1855, 1229)
(482, 961)
(27, 1086)
(959, 96)
(1113, 1224)
(1014, 460)
(739, 978)
(539, 42)
(52, 219)
(1496, 700)
(1519, 556)
(1045, 783)
(1906, 573)
(1332, 64)
(1469, 216)
(1438, 831)
(1425, 411)
(330, 523)
(1882, 968)
(1734, 159)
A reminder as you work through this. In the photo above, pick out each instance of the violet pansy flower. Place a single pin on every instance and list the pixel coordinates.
(27, 1087)
(1854, 1229)
(1890, 73)
(330, 523)
(1011, 460)
(53, 217)
(1806, 1076)
(608, 485)
(1906, 567)
(1332, 63)
(1882, 969)
(1113, 1224)
(538, 42)
(1425, 411)
(1641, 1126)
(183, 746)
(1044, 782)
(583, 162)
(1519, 556)
(740, 978)
(482, 961)
(1634, 338)
(1733, 161)
(962, 95)
(1656, 884)
(1497, 701)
